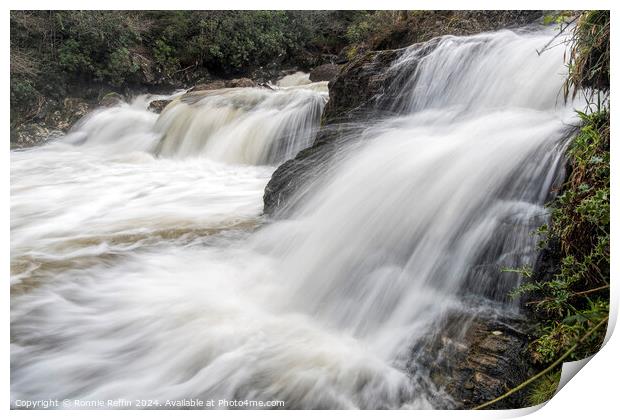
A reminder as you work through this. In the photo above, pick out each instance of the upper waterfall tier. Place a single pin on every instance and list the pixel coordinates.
(247, 125)
(242, 125)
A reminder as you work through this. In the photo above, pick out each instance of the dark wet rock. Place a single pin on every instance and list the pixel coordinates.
(111, 99)
(476, 358)
(32, 134)
(242, 82)
(301, 170)
(52, 121)
(325, 72)
(71, 111)
(158, 105)
(223, 84)
(354, 91)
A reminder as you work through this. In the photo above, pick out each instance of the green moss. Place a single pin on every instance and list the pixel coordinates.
(543, 389)
(352, 52)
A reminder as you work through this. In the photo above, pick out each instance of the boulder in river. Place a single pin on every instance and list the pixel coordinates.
(324, 73)
(223, 84)
(53, 120)
(71, 111)
(158, 105)
(242, 82)
(111, 99)
(32, 134)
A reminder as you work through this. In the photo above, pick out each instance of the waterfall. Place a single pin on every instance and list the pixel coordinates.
(142, 268)
(253, 126)
(460, 72)
(256, 126)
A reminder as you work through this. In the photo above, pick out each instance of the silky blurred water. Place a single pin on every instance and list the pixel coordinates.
(142, 267)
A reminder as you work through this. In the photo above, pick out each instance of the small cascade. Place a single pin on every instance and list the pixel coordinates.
(255, 126)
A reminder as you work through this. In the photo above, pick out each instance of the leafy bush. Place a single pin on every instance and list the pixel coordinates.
(22, 92)
(73, 59)
(165, 58)
(120, 67)
(55, 53)
(369, 25)
(102, 46)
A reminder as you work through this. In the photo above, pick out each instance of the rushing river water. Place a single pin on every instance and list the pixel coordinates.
(143, 269)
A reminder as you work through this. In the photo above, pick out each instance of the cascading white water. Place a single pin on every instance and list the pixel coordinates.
(137, 275)
(463, 60)
(101, 190)
(243, 125)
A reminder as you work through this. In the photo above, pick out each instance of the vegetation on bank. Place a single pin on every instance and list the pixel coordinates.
(55, 54)
(572, 297)
(87, 54)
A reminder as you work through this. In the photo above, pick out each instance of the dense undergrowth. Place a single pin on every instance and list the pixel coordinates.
(572, 299)
(60, 53)
(87, 54)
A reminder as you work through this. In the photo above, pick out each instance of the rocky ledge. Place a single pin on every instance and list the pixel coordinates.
(478, 357)
(49, 122)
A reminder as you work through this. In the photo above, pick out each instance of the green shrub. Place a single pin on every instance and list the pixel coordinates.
(72, 58)
(165, 58)
(120, 67)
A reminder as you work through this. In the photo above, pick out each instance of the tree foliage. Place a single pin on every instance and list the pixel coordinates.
(53, 52)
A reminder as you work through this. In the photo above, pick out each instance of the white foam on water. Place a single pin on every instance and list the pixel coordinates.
(131, 283)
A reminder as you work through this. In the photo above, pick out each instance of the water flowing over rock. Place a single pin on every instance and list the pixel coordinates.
(433, 87)
(223, 84)
(143, 268)
(383, 83)
(251, 125)
(158, 105)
